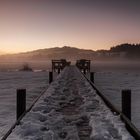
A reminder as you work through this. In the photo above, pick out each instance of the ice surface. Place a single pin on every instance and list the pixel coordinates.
(112, 82)
(68, 103)
(34, 82)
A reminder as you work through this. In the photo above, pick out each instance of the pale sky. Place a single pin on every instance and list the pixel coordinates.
(90, 24)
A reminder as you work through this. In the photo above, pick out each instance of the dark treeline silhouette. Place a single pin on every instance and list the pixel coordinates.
(126, 47)
(130, 50)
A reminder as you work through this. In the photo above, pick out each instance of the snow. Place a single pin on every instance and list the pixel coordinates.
(112, 77)
(34, 82)
(112, 82)
(68, 103)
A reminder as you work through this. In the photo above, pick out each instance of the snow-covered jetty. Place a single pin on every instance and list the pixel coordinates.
(70, 109)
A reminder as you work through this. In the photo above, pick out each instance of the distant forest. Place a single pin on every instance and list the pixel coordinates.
(128, 51)
(129, 48)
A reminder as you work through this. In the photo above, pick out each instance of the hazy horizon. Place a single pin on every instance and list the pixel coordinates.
(25, 51)
(31, 25)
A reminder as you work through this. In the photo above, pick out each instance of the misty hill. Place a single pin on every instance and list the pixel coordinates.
(131, 50)
(119, 52)
(123, 51)
(66, 52)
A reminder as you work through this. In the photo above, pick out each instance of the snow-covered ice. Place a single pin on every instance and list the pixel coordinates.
(112, 82)
(34, 82)
(112, 77)
(70, 110)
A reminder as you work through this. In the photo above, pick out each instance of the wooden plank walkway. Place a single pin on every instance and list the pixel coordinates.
(70, 110)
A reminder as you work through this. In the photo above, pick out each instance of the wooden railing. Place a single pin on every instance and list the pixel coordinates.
(129, 125)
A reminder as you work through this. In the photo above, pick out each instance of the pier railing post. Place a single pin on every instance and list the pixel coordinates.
(92, 76)
(59, 70)
(84, 71)
(21, 102)
(126, 103)
(50, 77)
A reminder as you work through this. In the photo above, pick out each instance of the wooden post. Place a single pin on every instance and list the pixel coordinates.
(92, 77)
(21, 102)
(50, 77)
(84, 71)
(126, 103)
(59, 70)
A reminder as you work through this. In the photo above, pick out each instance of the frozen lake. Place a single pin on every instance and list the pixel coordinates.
(34, 82)
(70, 110)
(111, 78)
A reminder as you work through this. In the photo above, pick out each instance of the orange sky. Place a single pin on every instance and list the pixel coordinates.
(31, 25)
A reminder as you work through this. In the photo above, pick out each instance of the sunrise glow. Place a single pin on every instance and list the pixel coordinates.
(40, 24)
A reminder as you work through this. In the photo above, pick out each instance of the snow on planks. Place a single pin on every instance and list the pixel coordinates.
(70, 110)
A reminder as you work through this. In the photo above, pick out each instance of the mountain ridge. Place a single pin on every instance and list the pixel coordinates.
(50, 53)
(123, 51)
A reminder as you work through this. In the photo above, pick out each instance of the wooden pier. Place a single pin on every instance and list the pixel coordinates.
(70, 107)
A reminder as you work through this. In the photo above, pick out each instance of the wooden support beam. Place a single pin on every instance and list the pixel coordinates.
(126, 103)
(50, 77)
(92, 77)
(21, 102)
